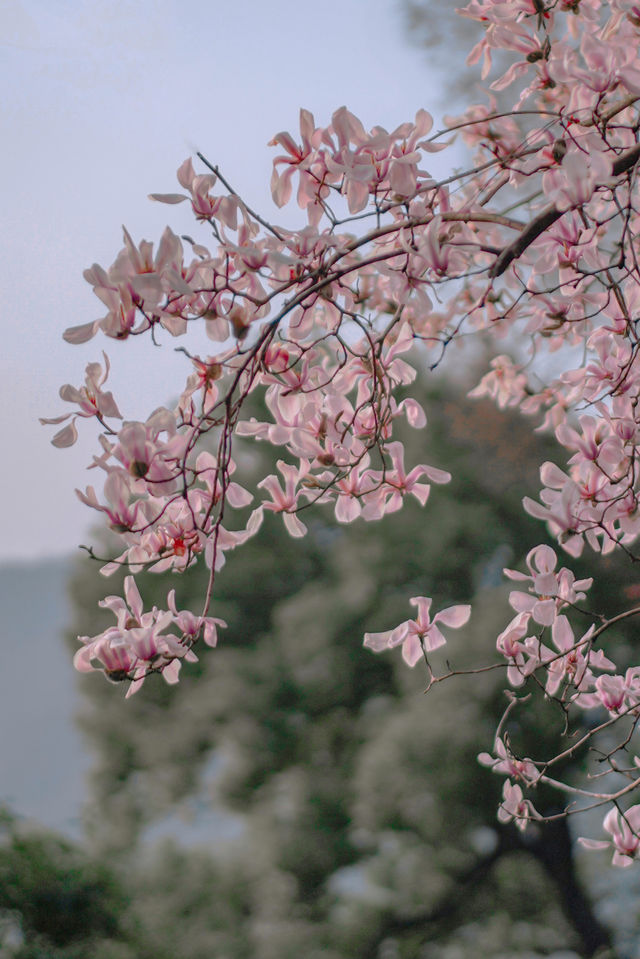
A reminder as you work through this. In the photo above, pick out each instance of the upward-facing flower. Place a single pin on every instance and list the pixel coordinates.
(285, 500)
(419, 635)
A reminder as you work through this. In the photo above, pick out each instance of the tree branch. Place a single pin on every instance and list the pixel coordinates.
(549, 215)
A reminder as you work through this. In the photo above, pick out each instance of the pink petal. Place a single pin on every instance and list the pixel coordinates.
(66, 437)
(386, 640)
(434, 639)
(411, 650)
(170, 672)
(423, 605)
(167, 197)
(562, 634)
(454, 616)
(80, 334)
(544, 612)
(415, 414)
(132, 593)
(593, 843)
(348, 508)
(295, 526)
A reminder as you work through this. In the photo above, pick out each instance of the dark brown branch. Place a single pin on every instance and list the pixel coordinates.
(541, 223)
(554, 849)
(549, 215)
(626, 161)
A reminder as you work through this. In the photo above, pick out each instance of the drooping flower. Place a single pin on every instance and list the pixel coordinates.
(624, 829)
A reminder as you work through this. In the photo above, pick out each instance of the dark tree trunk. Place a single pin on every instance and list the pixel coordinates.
(554, 851)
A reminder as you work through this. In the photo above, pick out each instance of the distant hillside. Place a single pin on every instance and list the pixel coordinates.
(42, 757)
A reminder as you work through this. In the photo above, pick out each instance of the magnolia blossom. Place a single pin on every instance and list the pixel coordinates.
(505, 762)
(91, 399)
(420, 635)
(505, 384)
(618, 694)
(577, 660)
(624, 829)
(551, 591)
(515, 807)
(136, 644)
(192, 627)
(510, 644)
(285, 500)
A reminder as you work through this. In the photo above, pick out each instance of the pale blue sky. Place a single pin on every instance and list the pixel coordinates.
(102, 102)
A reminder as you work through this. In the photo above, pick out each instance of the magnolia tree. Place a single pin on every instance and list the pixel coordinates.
(533, 250)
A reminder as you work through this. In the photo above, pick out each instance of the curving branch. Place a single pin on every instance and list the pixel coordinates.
(550, 214)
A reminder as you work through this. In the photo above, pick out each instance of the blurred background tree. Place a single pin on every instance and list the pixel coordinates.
(435, 26)
(353, 816)
(58, 902)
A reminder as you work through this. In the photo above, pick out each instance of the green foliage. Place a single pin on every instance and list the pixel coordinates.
(55, 901)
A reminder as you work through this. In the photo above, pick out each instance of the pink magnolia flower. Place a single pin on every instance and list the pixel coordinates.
(515, 807)
(419, 635)
(609, 64)
(123, 514)
(612, 691)
(91, 399)
(562, 501)
(305, 159)
(358, 487)
(505, 762)
(116, 658)
(624, 829)
(192, 626)
(398, 483)
(551, 590)
(617, 693)
(575, 660)
(136, 644)
(510, 645)
(506, 384)
(285, 500)
(149, 458)
(175, 539)
(214, 480)
(128, 611)
(204, 205)
(573, 183)
(122, 305)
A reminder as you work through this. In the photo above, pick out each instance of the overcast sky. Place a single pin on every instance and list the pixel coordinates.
(102, 102)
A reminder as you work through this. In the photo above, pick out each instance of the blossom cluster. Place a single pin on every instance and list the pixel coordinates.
(534, 248)
(139, 643)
